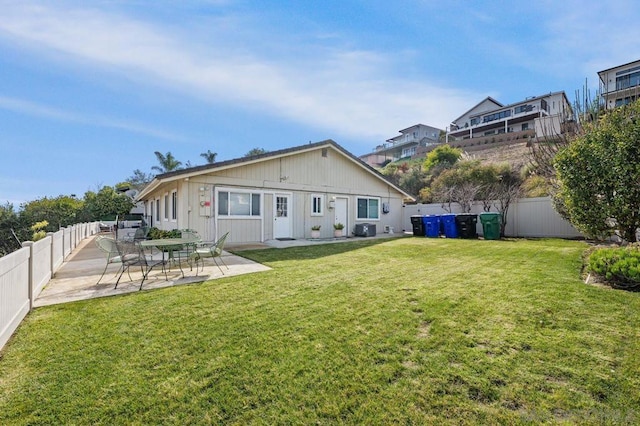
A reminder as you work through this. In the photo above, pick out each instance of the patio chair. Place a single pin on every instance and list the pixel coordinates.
(191, 235)
(132, 255)
(213, 250)
(108, 246)
(192, 240)
(140, 234)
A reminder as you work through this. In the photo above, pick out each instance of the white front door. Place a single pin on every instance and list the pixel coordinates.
(282, 216)
(341, 213)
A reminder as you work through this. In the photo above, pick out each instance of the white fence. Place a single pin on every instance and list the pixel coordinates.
(528, 217)
(24, 273)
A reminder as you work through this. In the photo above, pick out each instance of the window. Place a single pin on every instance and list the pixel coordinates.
(238, 204)
(629, 80)
(408, 152)
(625, 101)
(525, 126)
(174, 205)
(166, 206)
(522, 108)
(496, 116)
(317, 201)
(475, 121)
(157, 209)
(368, 208)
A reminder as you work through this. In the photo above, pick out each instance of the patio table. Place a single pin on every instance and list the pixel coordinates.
(171, 246)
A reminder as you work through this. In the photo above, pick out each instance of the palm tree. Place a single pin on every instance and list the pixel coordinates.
(167, 162)
(209, 156)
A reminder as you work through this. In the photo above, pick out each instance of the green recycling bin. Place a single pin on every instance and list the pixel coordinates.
(490, 225)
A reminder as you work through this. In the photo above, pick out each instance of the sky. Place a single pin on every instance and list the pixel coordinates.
(89, 90)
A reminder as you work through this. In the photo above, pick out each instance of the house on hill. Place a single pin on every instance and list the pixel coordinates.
(620, 85)
(277, 195)
(535, 117)
(411, 141)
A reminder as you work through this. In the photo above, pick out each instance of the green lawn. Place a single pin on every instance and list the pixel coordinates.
(410, 330)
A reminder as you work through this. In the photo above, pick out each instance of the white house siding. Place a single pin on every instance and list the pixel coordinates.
(240, 230)
(299, 175)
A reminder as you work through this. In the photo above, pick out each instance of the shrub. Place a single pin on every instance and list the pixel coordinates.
(155, 233)
(620, 267)
(39, 230)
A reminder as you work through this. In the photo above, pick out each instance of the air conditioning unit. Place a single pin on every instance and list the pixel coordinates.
(365, 230)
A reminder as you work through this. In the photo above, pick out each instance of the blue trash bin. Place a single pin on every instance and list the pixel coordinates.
(431, 224)
(449, 225)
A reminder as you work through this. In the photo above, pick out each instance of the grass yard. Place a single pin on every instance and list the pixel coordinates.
(411, 331)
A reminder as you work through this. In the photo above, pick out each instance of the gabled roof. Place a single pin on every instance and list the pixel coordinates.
(501, 106)
(488, 98)
(617, 66)
(222, 165)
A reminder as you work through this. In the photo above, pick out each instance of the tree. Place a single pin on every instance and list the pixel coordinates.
(462, 184)
(598, 175)
(59, 212)
(168, 162)
(467, 181)
(255, 151)
(139, 179)
(444, 155)
(209, 156)
(456, 185)
(505, 190)
(10, 223)
(106, 202)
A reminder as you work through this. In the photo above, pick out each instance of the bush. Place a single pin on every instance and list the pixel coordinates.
(620, 267)
(156, 234)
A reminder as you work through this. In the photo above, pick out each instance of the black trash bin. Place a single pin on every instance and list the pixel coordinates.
(418, 229)
(466, 224)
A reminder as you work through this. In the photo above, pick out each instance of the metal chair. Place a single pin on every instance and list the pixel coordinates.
(213, 250)
(108, 246)
(140, 234)
(132, 255)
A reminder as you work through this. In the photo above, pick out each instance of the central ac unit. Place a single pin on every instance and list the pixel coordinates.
(365, 230)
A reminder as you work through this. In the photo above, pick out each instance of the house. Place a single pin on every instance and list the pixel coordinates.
(620, 85)
(277, 195)
(406, 145)
(534, 117)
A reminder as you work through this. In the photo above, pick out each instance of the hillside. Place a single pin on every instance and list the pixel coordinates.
(517, 154)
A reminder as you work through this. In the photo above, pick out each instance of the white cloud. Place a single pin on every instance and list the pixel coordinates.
(349, 92)
(35, 109)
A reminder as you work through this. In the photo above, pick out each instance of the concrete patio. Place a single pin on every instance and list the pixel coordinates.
(77, 277)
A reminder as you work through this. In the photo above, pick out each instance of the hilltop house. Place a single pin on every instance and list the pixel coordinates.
(535, 117)
(620, 85)
(406, 145)
(277, 195)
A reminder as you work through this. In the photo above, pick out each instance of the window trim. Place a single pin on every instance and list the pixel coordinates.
(320, 198)
(165, 206)
(239, 191)
(174, 205)
(368, 218)
(158, 215)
